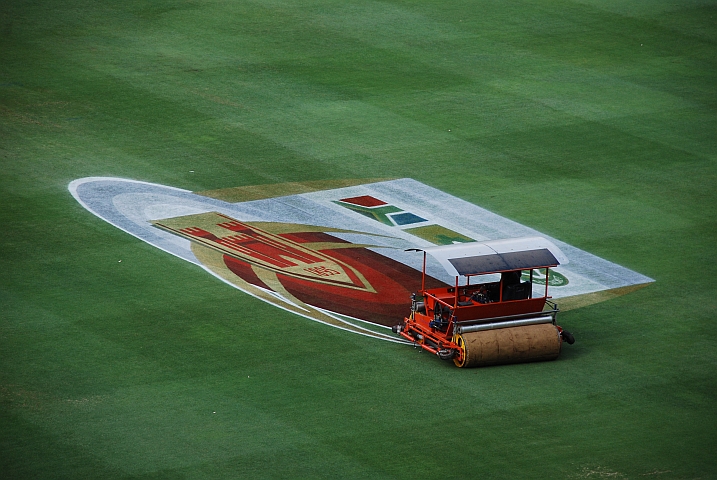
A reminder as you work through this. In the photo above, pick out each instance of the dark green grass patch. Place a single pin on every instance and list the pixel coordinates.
(590, 121)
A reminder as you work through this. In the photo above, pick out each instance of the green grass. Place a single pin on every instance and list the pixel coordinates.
(592, 121)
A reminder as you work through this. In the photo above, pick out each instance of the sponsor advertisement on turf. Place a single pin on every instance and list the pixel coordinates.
(333, 252)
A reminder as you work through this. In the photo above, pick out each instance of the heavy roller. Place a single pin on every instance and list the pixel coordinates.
(491, 315)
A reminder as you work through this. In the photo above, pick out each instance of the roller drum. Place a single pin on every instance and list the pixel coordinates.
(529, 343)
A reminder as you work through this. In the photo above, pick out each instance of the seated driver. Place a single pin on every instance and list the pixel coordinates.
(510, 278)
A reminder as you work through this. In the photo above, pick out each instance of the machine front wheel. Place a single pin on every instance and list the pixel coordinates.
(460, 358)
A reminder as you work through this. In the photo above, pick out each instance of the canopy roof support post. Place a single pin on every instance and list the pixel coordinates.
(423, 277)
(530, 294)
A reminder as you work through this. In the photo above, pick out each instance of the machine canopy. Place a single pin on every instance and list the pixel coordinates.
(477, 258)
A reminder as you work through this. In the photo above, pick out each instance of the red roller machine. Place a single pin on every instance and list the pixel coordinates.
(492, 314)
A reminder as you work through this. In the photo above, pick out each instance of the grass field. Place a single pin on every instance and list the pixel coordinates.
(592, 121)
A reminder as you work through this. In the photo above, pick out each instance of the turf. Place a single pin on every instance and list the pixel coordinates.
(592, 121)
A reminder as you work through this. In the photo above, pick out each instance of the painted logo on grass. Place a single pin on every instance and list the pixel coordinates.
(393, 216)
(554, 278)
(266, 251)
(331, 252)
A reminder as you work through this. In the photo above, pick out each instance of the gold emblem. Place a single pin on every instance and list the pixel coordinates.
(264, 250)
